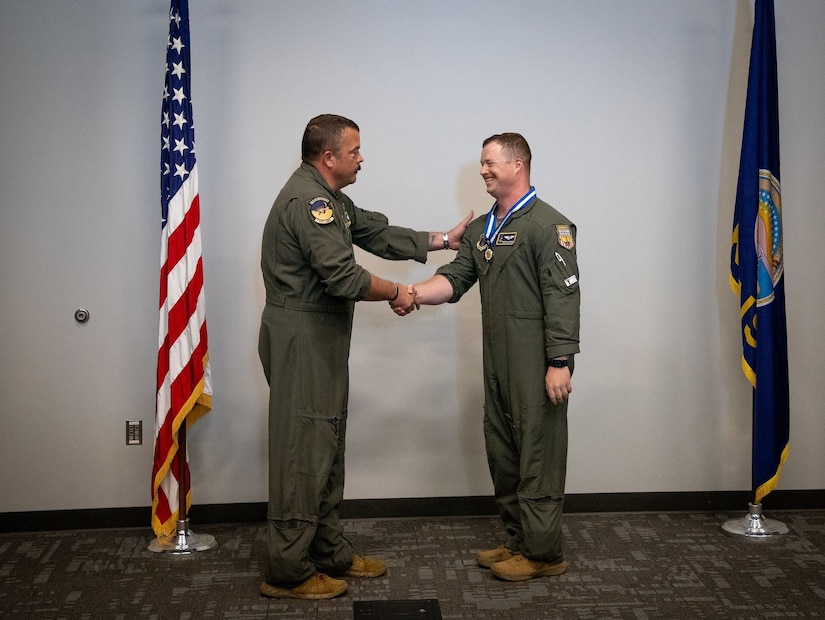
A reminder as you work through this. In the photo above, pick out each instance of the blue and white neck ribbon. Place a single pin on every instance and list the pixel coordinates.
(490, 229)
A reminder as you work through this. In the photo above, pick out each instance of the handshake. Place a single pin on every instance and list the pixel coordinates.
(437, 290)
(405, 302)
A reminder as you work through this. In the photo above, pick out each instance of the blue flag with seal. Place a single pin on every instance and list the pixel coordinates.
(757, 265)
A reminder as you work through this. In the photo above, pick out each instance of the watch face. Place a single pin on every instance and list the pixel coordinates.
(558, 363)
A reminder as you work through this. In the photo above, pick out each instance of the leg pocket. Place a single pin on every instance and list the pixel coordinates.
(318, 441)
(543, 451)
(317, 447)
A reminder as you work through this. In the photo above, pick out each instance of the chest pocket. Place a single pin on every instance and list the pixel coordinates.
(482, 266)
(342, 219)
(507, 244)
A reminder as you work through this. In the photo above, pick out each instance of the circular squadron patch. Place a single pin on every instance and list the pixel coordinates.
(321, 210)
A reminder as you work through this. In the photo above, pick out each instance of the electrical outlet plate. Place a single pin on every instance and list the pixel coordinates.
(134, 432)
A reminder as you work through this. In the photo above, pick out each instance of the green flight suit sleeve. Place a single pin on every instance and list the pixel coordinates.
(461, 272)
(371, 231)
(559, 281)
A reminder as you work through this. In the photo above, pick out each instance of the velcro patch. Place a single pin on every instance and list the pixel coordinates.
(506, 238)
(321, 210)
(565, 236)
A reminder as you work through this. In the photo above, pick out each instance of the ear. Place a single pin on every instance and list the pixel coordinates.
(327, 158)
(518, 164)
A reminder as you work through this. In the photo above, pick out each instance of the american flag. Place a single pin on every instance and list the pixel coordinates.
(184, 387)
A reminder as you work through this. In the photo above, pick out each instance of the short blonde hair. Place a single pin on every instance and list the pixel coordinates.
(513, 145)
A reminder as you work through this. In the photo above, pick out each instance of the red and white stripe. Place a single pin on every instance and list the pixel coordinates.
(184, 385)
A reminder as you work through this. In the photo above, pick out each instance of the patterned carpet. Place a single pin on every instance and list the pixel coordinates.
(638, 565)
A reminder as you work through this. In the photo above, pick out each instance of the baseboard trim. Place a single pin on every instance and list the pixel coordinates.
(692, 501)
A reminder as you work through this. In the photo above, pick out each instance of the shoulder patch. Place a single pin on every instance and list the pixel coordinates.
(565, 236)
(321, 211)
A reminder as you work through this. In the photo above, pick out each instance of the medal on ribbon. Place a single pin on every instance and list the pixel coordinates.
(488, 239)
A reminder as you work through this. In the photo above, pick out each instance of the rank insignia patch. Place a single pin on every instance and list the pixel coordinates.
(565, 236)
(506, 238)
(321, 211)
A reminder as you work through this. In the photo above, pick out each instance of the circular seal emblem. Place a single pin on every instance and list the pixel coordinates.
(768, 237)
(321, 210)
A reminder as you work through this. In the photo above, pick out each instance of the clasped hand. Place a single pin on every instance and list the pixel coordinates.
(405, 303)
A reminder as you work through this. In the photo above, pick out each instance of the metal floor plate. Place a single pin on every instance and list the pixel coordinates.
(426, 609)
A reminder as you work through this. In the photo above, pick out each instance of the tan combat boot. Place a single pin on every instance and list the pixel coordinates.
(319, 586)
(519, 568)
(499, 554)
(366, 567)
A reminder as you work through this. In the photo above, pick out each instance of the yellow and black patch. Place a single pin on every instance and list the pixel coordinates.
(321, 210)
(565, 235)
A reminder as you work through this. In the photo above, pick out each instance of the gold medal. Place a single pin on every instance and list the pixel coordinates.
(488, 254)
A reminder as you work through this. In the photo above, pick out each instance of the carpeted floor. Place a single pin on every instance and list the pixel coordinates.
(638, 565)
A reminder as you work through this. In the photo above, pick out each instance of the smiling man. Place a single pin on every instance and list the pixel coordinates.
(523, 255)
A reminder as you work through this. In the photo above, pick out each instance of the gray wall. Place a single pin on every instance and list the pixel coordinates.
(634, 112)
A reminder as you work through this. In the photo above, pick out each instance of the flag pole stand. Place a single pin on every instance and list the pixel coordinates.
(184, 541)
(754, 526)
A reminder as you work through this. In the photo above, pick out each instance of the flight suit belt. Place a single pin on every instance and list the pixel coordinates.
(290, 304)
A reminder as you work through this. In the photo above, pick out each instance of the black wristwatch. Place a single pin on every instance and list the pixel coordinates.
(558, 363)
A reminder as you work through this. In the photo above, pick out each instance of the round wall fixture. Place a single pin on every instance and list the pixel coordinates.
(81, 315)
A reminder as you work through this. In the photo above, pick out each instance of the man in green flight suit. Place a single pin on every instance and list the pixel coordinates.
(523, 256)
(312, 283)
